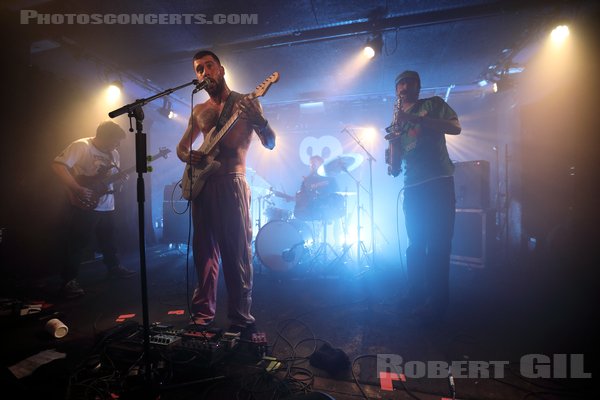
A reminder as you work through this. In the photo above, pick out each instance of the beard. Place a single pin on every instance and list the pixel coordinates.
(409, 95)
(215, 87)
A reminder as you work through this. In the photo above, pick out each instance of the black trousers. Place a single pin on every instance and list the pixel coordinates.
(82, 226)
(429, 211)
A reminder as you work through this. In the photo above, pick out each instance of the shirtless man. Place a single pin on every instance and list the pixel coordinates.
(221, 211)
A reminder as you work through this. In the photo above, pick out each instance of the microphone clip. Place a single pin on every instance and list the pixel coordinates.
(200, 85)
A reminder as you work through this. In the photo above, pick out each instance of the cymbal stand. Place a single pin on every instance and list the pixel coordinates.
(370, 191)
(260, 199)
(360, 246)
(324, 248)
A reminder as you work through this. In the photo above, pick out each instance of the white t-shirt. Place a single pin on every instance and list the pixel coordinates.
(83, 158)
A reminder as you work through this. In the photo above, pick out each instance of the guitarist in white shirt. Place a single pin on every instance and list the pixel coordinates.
(221, 210)
(92, 210)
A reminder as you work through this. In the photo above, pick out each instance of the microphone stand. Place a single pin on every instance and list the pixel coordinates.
(371, 205)
(134, 110)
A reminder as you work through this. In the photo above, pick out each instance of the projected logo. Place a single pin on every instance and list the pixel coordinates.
(326, 146)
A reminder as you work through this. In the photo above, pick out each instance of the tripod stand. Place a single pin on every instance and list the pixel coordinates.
(361, 250)
(325, 247)
(370, 192)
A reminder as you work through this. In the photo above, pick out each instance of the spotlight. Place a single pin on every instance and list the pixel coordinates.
(559, 34)
(373, 46)
(167, 109)
(113, 92)
(504, 83)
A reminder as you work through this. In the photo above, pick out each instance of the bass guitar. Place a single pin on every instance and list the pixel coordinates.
(99, 184)
(195, 176)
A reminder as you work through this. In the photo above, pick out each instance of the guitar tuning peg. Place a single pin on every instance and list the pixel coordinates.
(150, 169)
(149, 158)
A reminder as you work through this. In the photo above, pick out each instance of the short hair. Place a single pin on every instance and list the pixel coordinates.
(110, 130)
(203, 53)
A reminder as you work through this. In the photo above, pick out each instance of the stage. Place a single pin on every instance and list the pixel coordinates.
(500, 319)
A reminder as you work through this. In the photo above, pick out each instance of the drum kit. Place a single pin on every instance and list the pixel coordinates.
(292, 238)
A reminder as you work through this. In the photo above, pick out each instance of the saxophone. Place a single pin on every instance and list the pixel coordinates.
(393, 154)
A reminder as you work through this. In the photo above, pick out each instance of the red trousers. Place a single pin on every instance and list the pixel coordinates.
(223, 230)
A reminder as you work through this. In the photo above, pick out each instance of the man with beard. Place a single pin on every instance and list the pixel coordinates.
(221, 211)
(429, 201)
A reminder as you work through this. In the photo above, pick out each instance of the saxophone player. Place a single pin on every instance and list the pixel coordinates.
(419, 130)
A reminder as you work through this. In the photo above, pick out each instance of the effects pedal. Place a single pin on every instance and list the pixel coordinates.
(164, 339)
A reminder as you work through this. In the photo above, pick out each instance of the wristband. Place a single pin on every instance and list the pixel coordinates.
(265, 125)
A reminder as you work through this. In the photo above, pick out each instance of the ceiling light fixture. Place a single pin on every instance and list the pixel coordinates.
(373, 46)
(167, 109)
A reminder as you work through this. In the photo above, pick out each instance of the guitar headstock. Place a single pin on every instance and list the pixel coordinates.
(262, 89)
(162, 152)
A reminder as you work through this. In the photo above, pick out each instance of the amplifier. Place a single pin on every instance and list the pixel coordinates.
(472, 184)
(473, 236)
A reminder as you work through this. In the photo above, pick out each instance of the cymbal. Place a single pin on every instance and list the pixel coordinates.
(346, 162)
(346, 193)
(285, 196)
(256, 182)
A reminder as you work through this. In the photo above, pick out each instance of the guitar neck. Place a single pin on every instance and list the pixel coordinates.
(208, 146)
(122, 173)
(119, 175)
(214, 141)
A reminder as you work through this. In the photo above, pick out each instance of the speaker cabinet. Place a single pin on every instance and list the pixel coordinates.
(175, 216)
(472, 184)
(473, 236)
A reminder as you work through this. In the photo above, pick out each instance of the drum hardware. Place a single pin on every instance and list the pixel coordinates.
(322, 252)
(346, 194)
(261, 204)
(370, 192)
(276, 213)
(345, 162)
(289, 254)
(257, 183)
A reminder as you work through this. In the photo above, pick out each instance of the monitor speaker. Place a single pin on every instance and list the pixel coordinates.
(473, 237)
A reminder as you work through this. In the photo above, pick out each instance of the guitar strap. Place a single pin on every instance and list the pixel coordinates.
(226, 112)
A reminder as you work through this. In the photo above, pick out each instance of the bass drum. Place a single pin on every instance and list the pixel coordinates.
(280, 244)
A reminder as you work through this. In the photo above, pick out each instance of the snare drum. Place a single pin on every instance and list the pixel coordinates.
(280, 244)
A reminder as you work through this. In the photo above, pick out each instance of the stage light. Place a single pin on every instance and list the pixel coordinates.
(368, 134)
(373, 46)
(113, 92)
(495, 87)
(559, 34)
(167, 109)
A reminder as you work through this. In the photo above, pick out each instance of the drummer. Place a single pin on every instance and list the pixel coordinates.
(319, 186)
(314, 193)
(316, 201)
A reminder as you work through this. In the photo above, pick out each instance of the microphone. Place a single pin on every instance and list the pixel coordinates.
(200, 84)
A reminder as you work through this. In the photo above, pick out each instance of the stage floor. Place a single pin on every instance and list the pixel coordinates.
(503, 316)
